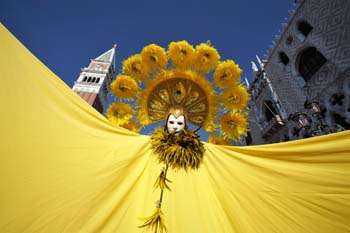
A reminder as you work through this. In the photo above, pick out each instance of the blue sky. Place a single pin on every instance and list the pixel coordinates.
(65, 35)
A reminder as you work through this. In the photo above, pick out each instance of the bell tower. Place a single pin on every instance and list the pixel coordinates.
(93, 82)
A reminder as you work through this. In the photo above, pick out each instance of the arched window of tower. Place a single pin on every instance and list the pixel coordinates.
(310, 60)
(97, 80)
(84, 79)
(93, 79)
(89, 79)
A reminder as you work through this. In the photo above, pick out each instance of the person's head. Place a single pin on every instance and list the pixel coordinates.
(176, 122)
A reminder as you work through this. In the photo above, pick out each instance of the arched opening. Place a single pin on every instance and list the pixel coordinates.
(310, 61)
(285, 138)
(339, 120)
(93, 79)
(97, 80)
(269, 110)
(283, 58)
(304, 28)
(248, 138)
(89, 79)
(84, 79)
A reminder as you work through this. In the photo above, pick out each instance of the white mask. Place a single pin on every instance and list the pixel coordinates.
(175, 125)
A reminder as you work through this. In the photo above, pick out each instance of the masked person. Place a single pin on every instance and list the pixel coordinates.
(180, 94)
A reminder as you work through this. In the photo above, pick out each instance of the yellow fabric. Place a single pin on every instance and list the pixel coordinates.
(64, 168)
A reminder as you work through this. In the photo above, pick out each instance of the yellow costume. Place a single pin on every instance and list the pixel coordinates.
(65, 168)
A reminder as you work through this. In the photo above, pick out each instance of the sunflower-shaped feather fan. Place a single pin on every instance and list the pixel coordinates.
(157, 81)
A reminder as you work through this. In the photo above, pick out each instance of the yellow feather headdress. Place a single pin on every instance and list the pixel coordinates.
(160, 81)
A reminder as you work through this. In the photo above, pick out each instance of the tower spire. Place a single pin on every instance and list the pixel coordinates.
(94, 81)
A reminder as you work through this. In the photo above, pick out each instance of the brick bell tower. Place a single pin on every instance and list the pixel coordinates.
(94, 80)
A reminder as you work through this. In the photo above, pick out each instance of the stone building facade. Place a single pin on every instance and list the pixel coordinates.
(302, 88)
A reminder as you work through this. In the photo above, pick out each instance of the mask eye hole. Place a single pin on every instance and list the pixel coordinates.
(171, 122)
(179, 123)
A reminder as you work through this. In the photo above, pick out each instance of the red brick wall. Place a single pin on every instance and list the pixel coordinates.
(92, 99)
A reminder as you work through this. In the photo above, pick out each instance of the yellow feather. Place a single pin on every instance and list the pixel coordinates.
(183, 151)
(155, 222)
(161, 182)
